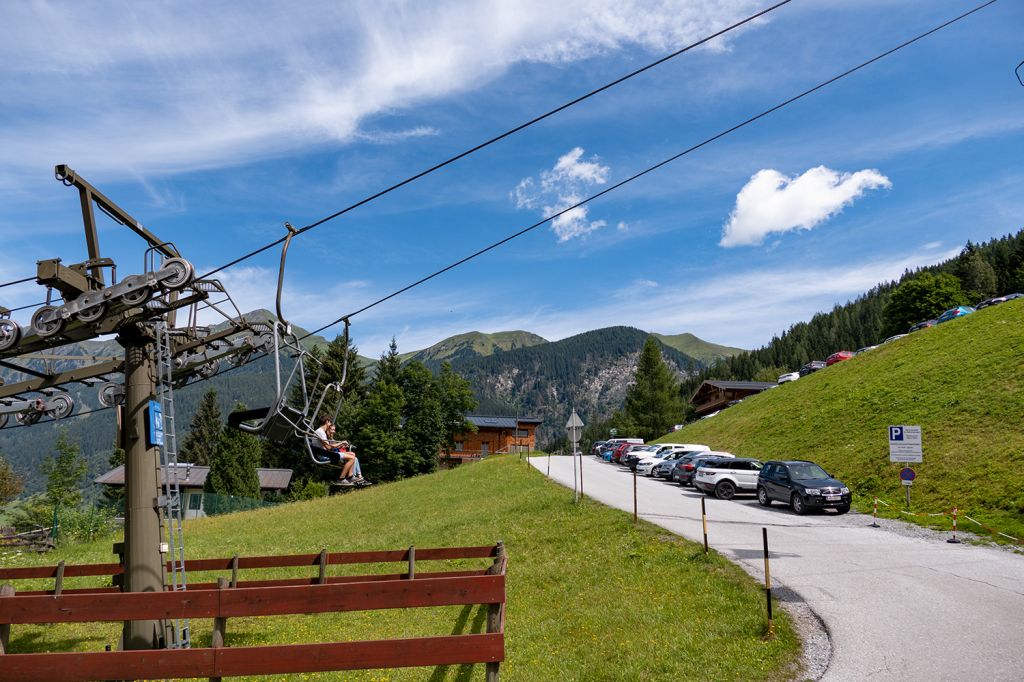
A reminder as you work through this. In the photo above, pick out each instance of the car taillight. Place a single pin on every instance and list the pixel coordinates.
(688, 467)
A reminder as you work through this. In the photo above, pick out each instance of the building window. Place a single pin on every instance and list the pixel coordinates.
(195, 501)
(522, 433)
(458, 446)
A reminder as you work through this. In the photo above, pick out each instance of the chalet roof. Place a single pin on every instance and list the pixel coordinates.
(194, 476)
(497, 422)
(741, 385)
(710, 385)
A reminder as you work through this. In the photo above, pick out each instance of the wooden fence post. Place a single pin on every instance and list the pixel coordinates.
(219, 627)
(5, 628)
(234, 571)
(412, 562)
(322, 578)
(58, 583)
(494, 610)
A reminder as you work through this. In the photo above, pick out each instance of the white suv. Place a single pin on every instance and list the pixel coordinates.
(727, 477)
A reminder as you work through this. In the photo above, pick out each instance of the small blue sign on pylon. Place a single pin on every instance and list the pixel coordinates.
(907, 475)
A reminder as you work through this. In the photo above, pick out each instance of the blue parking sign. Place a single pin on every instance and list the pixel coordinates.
(154, 424)
(896, 433)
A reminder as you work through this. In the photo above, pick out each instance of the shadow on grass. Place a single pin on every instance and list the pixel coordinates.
(37, 642)
(465, 671)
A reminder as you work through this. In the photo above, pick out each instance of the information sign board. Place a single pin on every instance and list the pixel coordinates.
(905, 444)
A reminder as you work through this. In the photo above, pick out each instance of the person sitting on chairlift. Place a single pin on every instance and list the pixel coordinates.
(347, 459)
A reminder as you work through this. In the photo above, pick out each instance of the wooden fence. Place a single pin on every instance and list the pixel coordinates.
(234, 598)
(37, 540)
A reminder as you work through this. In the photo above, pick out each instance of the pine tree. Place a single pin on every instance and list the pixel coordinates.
(64, 473)
(113, 495)
(424, 420)
(10, 483)
(234, 463)
(204, 432)
(389, 369)
(653, 403)
(456, 402)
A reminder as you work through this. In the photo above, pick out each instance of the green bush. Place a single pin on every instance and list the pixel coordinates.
(307, 490)
(86, 524)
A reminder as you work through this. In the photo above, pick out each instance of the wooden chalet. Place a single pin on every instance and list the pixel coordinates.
(493, 434)
(714, 395)
(191, 478)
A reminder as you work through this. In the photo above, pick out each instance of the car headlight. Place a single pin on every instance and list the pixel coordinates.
(812, 491)
(844, 490)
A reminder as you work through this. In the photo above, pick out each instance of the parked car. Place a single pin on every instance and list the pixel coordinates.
(790, 376)
(865, 349)
(637, 453)
(923, 325)
(620, 450)
(812, 366)
(595, 449)
(709, 416)
(726, 477)
(954, 313)
(897, 337)
(682, 473)
(667, 452)
(664, 468)
(838, 356)
(997, 300)
(802, 485)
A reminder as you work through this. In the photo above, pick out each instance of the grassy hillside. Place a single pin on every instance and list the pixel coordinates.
(695, 347)
(473, 344)
(963, 382)
(590, 595)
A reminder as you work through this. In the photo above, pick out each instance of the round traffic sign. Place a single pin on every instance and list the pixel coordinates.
(907, 474)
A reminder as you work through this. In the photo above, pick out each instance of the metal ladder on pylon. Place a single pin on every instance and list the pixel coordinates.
(177, 631)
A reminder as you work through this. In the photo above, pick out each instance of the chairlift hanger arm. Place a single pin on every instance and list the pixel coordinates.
(24, 370)
(89, 194)
(76, 375)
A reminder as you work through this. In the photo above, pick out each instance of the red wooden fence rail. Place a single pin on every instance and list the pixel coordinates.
(266, 598)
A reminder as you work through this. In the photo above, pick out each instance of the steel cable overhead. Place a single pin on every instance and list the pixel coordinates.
(651, 169)
(17, 281)
(617, 185)
(505, 134)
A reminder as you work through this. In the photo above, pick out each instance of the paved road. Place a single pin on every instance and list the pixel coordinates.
(897, 607)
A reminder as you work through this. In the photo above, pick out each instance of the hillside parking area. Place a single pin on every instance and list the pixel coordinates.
(898, 605)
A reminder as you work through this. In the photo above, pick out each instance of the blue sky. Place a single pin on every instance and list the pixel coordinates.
(213, 123)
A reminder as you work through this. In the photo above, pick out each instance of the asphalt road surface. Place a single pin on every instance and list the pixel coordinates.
(898, 605)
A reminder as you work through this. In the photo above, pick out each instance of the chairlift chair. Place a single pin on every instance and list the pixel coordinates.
(283, 421)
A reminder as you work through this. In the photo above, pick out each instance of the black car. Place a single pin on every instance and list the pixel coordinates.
(637, 453)
(812, 366)
(802, 485)
(924, 325)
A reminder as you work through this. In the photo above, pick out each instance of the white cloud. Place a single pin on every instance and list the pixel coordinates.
(772, 203)
(560, 187)
(122, 87)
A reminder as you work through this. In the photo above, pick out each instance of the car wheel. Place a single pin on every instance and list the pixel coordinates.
(797, 503)
(762, 497)
(842, 510)
(725, 490)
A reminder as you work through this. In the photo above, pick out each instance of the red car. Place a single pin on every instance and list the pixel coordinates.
(838, 357)
(619, 451)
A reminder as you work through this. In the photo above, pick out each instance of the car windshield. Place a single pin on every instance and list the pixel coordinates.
(806, 472)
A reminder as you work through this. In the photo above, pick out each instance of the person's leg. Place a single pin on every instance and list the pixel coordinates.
(346, 470)
(357, 470)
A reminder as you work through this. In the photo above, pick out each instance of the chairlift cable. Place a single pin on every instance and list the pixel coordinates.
(512, 131)
(656, 166)
(17, 281)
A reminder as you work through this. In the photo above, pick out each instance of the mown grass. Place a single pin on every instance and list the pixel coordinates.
(590, 595)
(962, 381)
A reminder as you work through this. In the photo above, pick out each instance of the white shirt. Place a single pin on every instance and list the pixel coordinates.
(322, 435)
